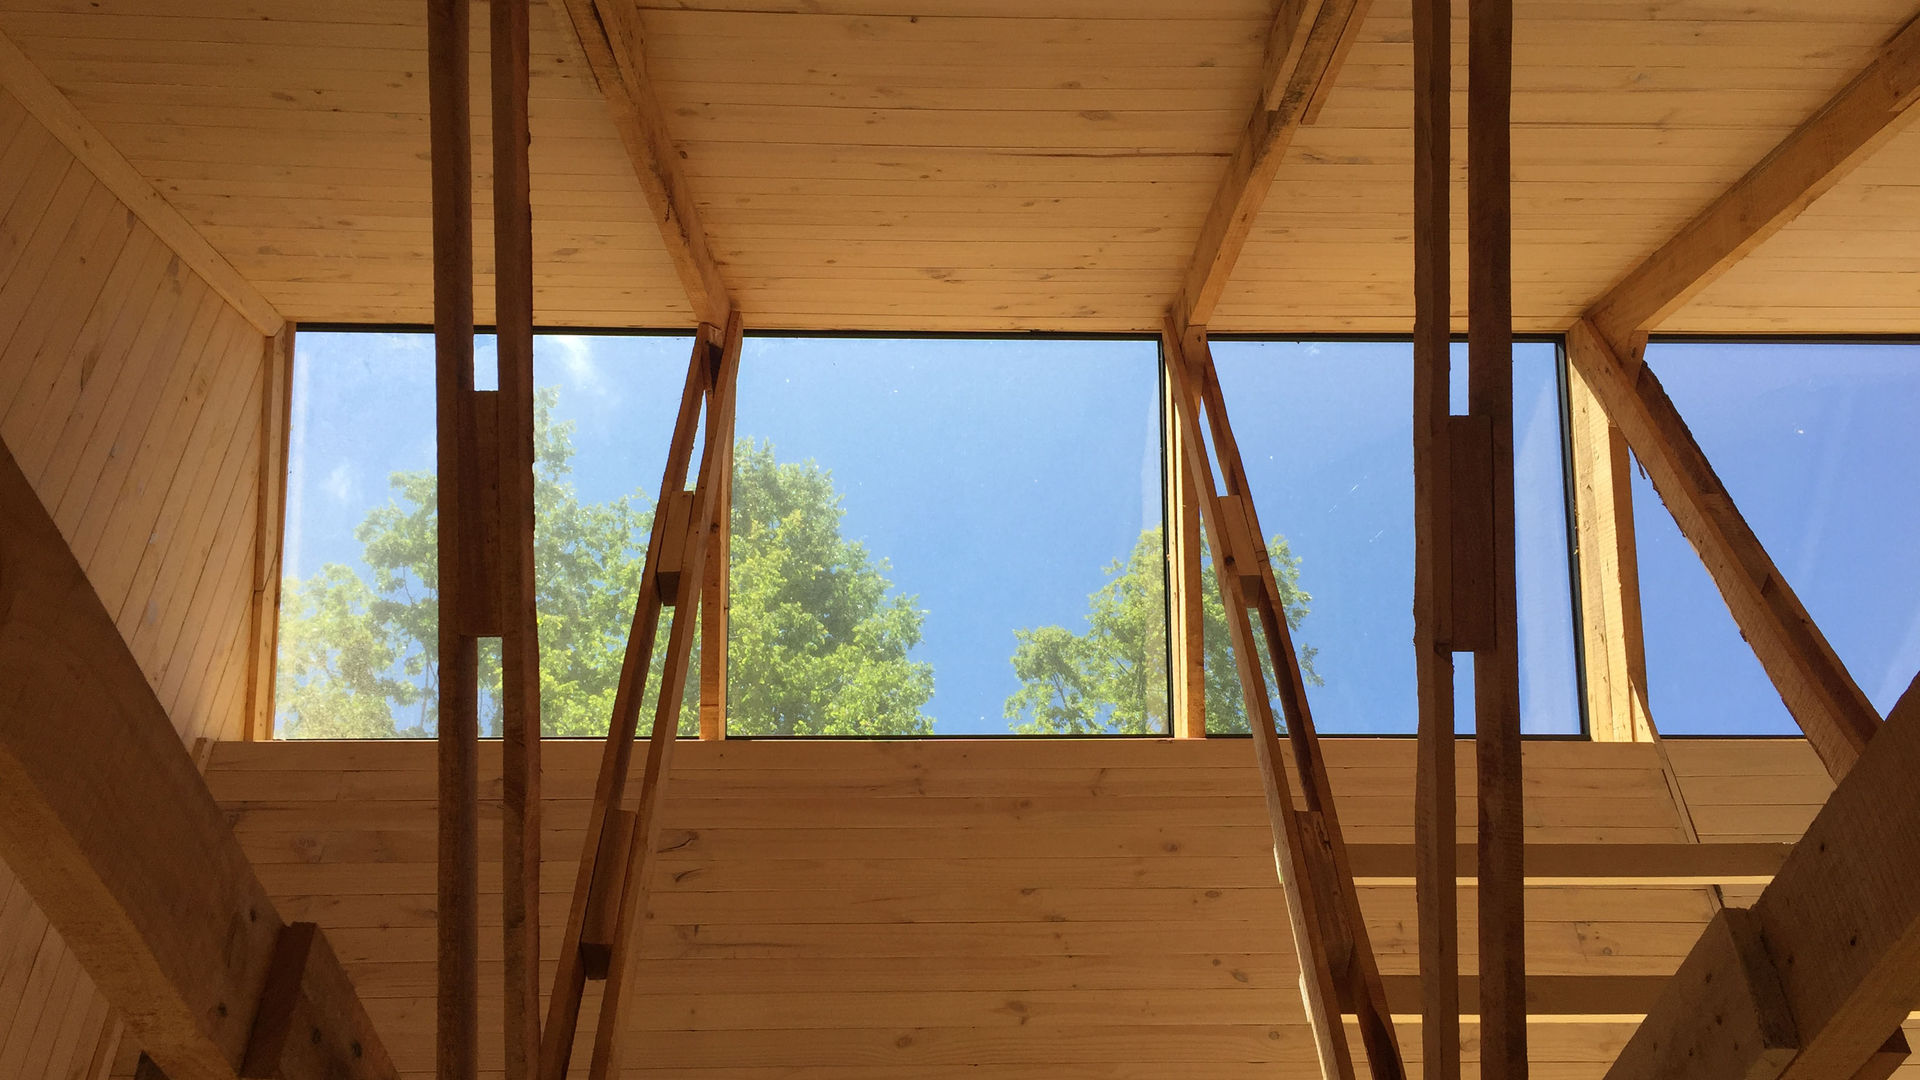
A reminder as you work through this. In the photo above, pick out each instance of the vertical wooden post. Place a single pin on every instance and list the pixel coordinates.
(270, 518)
(1186, 609)
(456, 1050)
(1615, 654)
(715, 594)
(1437, 896)
(1496, 670)
(518, 622)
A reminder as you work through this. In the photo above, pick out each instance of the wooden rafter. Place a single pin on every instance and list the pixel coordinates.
(106, 821)
(1338, 970)
(1807, 982)
(603, 920)
(1305, 45)
(1840, 135)
(1832, 710)
(609, 35)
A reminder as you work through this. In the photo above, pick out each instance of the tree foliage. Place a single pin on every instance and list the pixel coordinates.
(1111, 678)
(819, 641)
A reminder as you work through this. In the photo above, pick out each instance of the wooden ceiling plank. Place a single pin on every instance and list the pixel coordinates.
(45, 102)
(1816, 687)
(609, 35)
(1305, 43)
(163, 907)
(1839, 136)
(1833, 962)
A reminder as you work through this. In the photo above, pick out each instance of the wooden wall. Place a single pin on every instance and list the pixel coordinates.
(1082, 909)
(129, 394)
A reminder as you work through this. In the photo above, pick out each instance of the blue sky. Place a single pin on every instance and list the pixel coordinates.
(998, 478)
(1819, 448)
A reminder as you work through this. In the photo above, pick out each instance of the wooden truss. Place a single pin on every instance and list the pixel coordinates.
(1338, 973)
(603, 923)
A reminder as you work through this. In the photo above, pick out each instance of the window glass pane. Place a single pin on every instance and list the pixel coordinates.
(1326, 431)
(1817, 445)
(359, 611)
(947, 536)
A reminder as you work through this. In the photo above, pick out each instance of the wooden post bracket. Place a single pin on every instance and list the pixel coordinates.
(1337, 964)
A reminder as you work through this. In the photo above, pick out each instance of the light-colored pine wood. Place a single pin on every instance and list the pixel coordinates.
(28, 85)
(1338, 964)
(1186, 626)
(1812, 681)
(614, 43)
(1840, 135)
(142, 918)
(1840, 929)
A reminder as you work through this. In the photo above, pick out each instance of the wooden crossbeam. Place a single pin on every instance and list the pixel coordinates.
(1611, 865)
(106, 822)
(609, 35)
(1845, 131)
(1329, 933)
(1829, 706)
(1305, 45)
(513, 559)
(612, 879)
(1436, 860)
(1808, 982)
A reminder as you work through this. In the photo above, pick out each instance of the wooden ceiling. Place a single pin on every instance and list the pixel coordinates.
(992, 164)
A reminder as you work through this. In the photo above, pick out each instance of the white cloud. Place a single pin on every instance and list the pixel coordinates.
(339, 482)
(576, 356)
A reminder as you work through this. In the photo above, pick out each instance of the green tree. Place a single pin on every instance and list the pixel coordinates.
(818, 644)
(1112, 677)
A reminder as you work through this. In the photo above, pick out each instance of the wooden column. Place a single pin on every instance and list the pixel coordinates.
(276, 402)
(1186, 608)
(716, 593)
(461, 588)
(1496, 668)
(513, 559)
(1437, 897)
(1615, 653)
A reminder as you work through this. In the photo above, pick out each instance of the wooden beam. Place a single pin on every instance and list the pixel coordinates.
(1845, 131)
(1187, 622)
(1613, 647)
(1436, 858)
(1838, 932)
(609, 35)
(716, 595)
(708, 388)
(105, 820)
(462, 586)
(1496, 665)
(1609, 865)
(1305, 44)
(43, 101)
(270, 515)
(618, 1010)
(1816, 687)
(1329, 931)
(513, 467)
